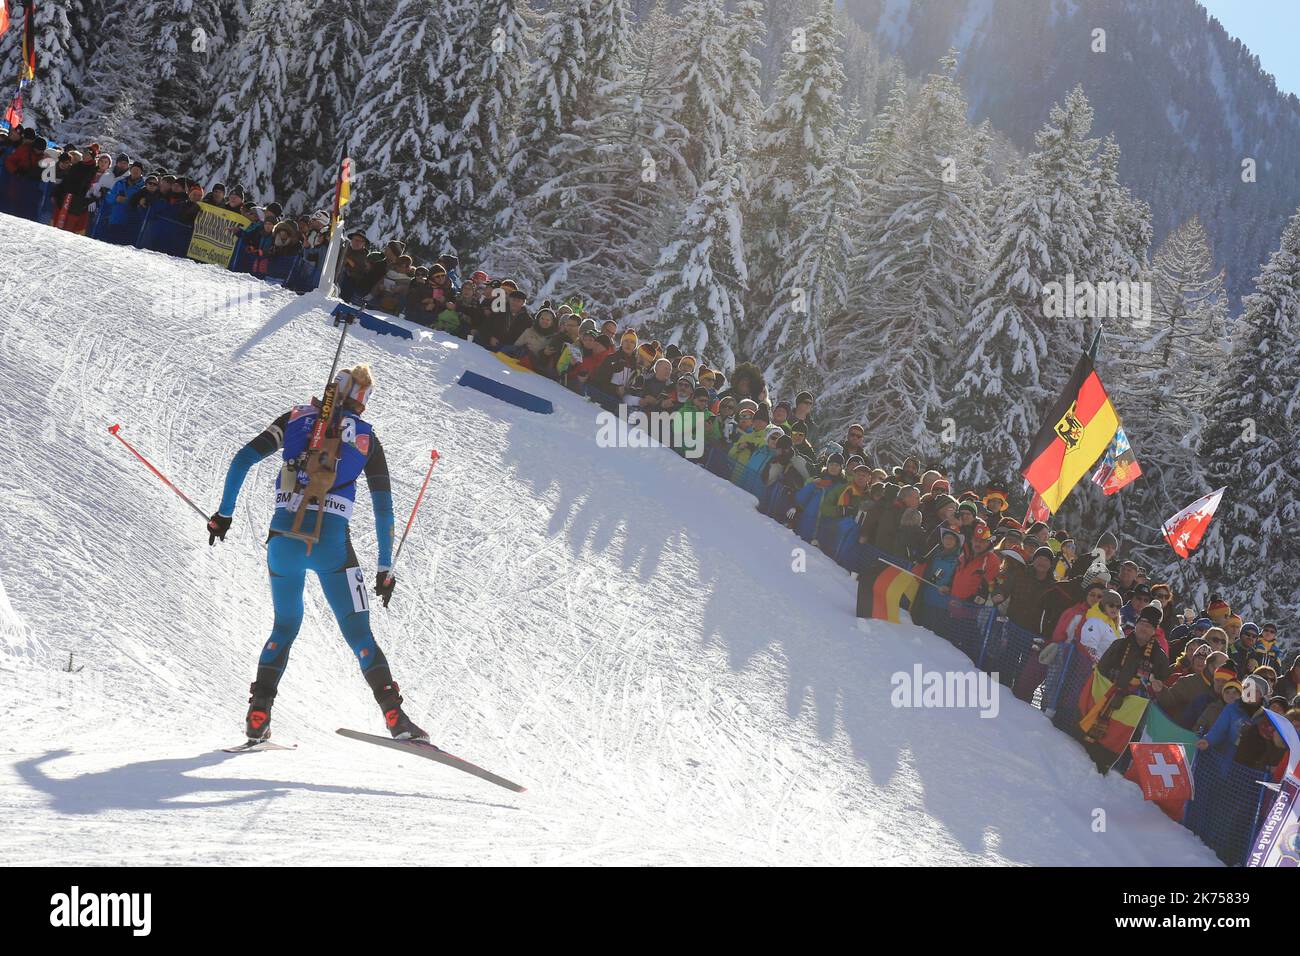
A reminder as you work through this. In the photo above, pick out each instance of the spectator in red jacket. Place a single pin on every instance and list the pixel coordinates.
(977, 572)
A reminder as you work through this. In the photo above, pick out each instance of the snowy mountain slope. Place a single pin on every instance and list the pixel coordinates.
(1187, 102)
(616, 629)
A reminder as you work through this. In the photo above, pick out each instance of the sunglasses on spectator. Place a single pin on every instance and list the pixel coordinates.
(746, 416)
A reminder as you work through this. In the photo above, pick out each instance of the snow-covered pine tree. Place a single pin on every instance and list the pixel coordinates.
(700, 86)
(1116, 253)
(552, 173)
(790, 346)
(1010, 351)
(1251, 551)
(1122, 220)
(483, 92)
(186, 50)
(580, 46)
(921, 252)
(596, 226)
(253, 107)
(114, 109)
(742, 103)
(1164, 369)
(400, 127)
(796, 140)
(694, 298)
(325, 73)
(64, 44)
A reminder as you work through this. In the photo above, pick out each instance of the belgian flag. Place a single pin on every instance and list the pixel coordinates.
(1074, 435)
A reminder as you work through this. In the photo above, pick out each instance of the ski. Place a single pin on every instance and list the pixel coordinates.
(253, 745)
(419, 748)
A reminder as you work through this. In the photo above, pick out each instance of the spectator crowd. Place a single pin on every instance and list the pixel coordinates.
(113, 198)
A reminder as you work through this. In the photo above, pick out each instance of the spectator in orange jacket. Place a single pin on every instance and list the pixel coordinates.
(977, 572)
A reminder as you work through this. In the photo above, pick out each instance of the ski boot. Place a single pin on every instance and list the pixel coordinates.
(399, 725)
(257, 723)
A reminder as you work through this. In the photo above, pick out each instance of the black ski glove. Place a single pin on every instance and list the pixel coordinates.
(384, 584)
(218, 525)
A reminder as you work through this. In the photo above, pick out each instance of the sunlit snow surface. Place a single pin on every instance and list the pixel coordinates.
(616, 629)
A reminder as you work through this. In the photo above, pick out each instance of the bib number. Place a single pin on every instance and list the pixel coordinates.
(360, 594)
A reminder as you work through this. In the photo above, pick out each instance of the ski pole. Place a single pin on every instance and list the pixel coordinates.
(113, 430)
(411, 520)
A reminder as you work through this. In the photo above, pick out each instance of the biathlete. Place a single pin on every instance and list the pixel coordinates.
(331, 557)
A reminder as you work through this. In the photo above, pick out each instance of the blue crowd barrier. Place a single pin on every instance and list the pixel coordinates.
(806, 524)
(751, 474)
(718, 461)
(1006, 649)
(161, 232)
(23, 197)
(506, 393)
(1227, 805)
(968, 626)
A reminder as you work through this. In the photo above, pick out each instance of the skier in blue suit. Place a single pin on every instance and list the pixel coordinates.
(332, 557)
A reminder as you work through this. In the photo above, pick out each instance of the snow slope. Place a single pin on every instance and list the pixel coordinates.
(614, 628)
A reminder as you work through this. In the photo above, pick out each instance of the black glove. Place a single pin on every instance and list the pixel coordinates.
(384, 583)
(218, 525)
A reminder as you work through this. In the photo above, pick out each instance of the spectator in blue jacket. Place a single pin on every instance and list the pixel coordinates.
(1222, 736)
(939, 573)
(123, 191)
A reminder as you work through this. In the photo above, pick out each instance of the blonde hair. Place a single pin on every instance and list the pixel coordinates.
(362, 376)
(360, 383)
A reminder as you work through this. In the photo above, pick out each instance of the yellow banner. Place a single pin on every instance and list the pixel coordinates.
(215, 234)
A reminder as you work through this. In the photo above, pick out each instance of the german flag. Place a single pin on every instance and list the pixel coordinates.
(1074, 435)
(894, 590)
(342, 190)
(27, 72)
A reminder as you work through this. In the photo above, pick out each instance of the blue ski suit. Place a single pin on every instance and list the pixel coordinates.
(332, 557)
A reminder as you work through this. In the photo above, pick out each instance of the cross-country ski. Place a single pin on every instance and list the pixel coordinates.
(253, 746)
(422, 748)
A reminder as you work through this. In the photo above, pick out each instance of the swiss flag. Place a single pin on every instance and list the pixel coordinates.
(1161, 771)
(1037, 511)
(1184, 530)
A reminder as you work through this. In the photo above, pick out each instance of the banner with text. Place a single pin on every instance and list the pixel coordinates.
(216, 231)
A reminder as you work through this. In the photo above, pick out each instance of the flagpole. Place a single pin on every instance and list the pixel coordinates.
(905, 571)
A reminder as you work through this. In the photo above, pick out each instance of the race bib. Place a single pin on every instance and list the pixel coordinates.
(360, 594)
